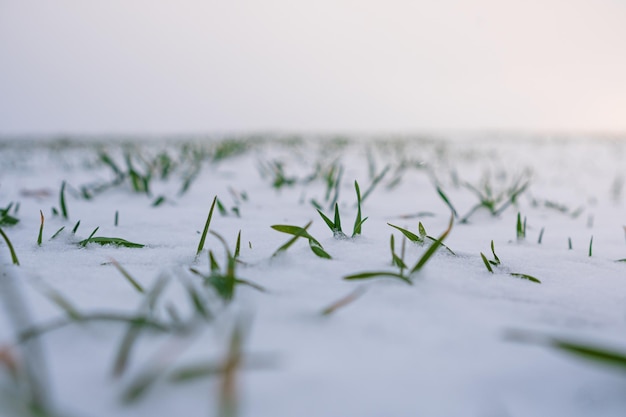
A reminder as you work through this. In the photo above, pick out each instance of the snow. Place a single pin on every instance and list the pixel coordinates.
(439, 347)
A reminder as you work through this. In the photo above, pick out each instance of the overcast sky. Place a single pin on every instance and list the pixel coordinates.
(326, 65)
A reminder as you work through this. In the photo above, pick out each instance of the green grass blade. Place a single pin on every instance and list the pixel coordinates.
(486, 262)
(409, 235)
(328, 222)
(446, 200)
(589, 351)
(293, 230)
(57, 232)
(497, 260)
(206, 227)
(525, 276)
(519, 227)
(11, 250)
(116, 241)
(422, 230)
(358, 222)
(40, 236)
(76, 227)
(375, 182)
(591, 246)
(337, 219)
(318, 249)
(377, 274)
(127, 275)
(290, 242)
(238, 246)
(62, 201)
(343, 301)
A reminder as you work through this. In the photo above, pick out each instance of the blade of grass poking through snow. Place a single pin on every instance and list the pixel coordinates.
(525, 276)
(83, 243)
(57, 232)
(62, 201)
(343, 301)
(290, 242)
(358, 222)
(496, 260)
(433, 247)
(409, 235)
(446, 200)
(591, 246)
(117, 215)
(519, 228)
(11, 250)
(377, 274)
(486, 262)
(590, 351)
(334, 226)
(116, 241)
(40, 236)
(126, 275)
(316, 246)
(75, 227)
(540, 236)
(375, 182)
(395, 259)
(238, 245)
(206, 228)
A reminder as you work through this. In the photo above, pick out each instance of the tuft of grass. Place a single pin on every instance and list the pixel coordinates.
(7, 219)
(490, 264)
(334, 226)
(11, 250)
(314, 244)
(421, 238)
(287, 244)
(401, 265)
(434, 247)
(224, 282)
(206, 228)
(40, 236)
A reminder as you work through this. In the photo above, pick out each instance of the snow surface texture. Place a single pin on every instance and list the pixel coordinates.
(439, 347)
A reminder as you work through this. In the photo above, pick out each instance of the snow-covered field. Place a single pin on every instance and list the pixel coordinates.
(286, 335)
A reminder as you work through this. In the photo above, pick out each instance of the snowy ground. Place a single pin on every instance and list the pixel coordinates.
(447, 345)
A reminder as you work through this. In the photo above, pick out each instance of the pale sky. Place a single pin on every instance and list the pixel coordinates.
(150, 66)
